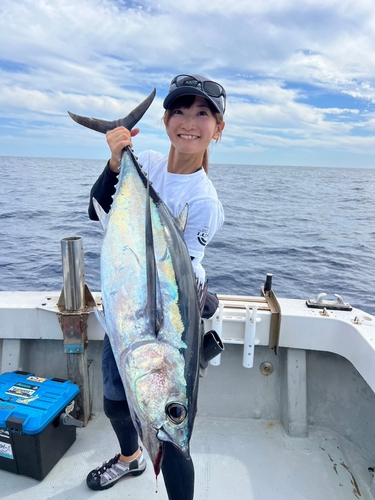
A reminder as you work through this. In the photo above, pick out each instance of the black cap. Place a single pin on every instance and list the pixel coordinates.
(197, 85)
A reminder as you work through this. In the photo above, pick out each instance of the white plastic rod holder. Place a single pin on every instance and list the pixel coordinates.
(217, 325)
(249, 340)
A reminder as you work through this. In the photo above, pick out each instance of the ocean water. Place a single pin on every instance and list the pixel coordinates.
(312, 228)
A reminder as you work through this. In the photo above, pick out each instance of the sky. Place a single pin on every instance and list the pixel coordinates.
(299, 75)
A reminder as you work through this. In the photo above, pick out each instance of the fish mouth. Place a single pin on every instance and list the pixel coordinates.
(158, 459)
(163, 437)
(157, 463)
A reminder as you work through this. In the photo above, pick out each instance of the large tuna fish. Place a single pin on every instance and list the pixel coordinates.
(151, 304)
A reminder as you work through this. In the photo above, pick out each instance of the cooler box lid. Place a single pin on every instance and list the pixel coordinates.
(29, 403)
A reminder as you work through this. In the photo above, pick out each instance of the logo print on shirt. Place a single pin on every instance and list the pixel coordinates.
(202, 237)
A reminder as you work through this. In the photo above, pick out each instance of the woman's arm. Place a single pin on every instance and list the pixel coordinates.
(103, 190)
(105, 186)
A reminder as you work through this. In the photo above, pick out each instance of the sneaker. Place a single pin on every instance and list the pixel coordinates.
(106, 475)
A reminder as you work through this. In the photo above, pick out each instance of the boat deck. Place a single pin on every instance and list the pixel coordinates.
(240, 459)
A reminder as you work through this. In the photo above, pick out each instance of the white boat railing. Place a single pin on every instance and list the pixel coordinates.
(351, 334)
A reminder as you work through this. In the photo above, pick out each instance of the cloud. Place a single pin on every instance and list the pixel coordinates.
(296, 73)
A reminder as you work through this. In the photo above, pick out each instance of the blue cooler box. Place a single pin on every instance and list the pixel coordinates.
(35, 426)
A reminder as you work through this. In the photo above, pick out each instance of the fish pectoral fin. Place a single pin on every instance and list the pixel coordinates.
(101, 318)
(182, 218)
(102, 215)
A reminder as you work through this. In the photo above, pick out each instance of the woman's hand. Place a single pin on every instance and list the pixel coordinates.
(118, 139)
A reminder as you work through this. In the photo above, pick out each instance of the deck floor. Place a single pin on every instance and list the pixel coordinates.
(244, 460)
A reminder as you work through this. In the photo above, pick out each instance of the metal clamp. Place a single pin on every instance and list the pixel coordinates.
(321, 303)
(267, 292)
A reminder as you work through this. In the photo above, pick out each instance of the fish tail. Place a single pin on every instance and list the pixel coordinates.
(128, 122)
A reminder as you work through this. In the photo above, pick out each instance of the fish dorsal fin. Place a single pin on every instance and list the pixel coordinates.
(182, 218)
(154, 312)
(102, 215)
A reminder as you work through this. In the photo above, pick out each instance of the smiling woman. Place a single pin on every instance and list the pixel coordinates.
(193, 118)
(196, 122)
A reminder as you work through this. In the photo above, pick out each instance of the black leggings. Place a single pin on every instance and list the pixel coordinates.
(178, 472)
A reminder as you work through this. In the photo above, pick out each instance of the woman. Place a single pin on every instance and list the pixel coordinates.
(193, 118)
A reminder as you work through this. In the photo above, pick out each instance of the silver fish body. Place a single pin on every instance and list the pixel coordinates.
(159, 365)
(151, 311)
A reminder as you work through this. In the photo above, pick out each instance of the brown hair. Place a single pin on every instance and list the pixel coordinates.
(186, 101)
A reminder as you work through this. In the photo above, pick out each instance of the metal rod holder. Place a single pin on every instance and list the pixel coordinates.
(75, 304)
(73, 273)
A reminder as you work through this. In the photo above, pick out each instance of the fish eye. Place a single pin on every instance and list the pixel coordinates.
(176, 412)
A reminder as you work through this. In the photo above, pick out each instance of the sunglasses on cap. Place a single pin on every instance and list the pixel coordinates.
(213, 90)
